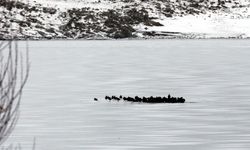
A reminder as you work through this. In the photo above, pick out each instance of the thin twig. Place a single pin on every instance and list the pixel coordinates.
(13, 76)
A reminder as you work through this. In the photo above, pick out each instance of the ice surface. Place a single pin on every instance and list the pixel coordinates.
(58, 107)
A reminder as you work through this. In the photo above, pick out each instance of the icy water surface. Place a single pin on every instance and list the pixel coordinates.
(58, 108)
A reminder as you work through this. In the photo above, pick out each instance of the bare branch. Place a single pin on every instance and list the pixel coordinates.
(14, 70)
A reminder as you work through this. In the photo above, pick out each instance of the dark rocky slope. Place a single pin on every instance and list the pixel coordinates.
(35, 21)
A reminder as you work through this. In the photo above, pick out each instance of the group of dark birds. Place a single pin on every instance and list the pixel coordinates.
(151, 99)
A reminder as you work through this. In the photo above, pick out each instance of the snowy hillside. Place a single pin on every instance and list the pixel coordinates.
(74, 19)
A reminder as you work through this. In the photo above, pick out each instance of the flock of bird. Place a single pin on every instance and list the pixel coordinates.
(151, 99)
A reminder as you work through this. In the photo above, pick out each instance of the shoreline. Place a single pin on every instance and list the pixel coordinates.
(127, 39)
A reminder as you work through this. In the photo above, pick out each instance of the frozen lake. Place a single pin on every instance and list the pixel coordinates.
(58, 108)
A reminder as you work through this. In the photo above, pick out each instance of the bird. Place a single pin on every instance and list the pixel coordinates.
(95, 99)
(107, 98)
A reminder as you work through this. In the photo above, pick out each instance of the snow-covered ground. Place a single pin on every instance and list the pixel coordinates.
(69, 4)
(207, 20)
(211, 25)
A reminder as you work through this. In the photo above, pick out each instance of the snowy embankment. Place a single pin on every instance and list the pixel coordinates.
(102, 19)
(210, 25)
